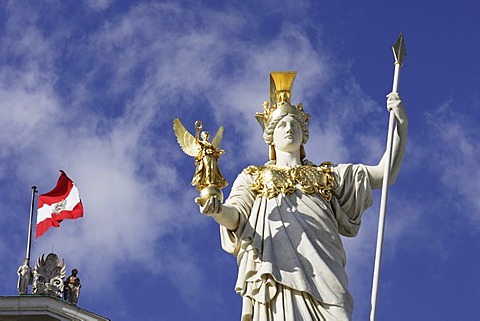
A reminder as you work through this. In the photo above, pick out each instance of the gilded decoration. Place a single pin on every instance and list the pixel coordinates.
(207, 178)
(281, 84)
(271, 180)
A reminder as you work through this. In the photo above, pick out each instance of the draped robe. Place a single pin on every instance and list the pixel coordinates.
(289, 252)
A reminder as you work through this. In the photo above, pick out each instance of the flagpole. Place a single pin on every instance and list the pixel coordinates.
(399, 53)
(30, 224)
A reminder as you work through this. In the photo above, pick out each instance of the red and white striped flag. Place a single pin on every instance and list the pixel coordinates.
(62, 202)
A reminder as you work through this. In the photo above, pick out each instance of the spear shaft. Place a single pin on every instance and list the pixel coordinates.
(399, 53)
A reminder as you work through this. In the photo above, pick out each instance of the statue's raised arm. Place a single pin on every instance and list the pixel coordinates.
(376, 173)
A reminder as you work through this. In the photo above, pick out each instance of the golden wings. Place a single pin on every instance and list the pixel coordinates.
(191, 144)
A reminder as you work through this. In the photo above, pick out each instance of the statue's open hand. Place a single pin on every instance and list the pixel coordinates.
(211, 207)
(395, 104)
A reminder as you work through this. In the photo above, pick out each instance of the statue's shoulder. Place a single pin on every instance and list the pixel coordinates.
(327, 166)
(253, 169)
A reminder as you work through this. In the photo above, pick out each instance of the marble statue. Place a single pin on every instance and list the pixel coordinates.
(283, 220)
(71, 291)
(25, 277)
(48, 275)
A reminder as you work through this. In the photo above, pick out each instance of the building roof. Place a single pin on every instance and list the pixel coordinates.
(42, 308)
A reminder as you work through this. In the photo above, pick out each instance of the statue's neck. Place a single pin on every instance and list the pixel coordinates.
(288, 158)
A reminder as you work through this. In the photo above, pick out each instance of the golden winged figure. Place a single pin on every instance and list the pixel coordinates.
(207, 178)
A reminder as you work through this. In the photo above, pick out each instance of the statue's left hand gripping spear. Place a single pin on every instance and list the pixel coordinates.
(207, 178)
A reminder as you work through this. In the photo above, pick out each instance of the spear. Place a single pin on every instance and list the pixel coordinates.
(399, 53)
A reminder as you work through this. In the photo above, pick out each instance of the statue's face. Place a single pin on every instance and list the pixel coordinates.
(287, 136)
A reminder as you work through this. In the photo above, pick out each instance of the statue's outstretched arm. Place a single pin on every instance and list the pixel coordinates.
(225, 215)
(399, 143)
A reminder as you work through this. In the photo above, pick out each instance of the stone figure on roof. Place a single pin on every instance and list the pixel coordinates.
(25, 277)
(48, 275)
(72, 287)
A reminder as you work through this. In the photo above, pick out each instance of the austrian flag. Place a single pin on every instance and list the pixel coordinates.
(62, 202)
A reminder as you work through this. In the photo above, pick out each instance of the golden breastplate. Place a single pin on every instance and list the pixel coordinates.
(272, 180)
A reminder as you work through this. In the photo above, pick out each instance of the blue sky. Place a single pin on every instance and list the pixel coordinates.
(92, 87)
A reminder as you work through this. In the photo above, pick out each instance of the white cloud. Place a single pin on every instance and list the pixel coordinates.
(98, 5)
(455, 142)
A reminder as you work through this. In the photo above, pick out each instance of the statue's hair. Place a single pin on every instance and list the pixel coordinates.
(268, 132)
